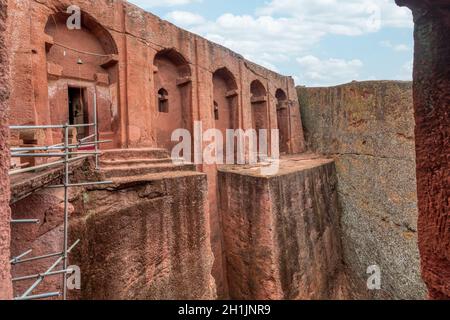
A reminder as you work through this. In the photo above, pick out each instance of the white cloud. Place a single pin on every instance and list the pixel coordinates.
(401, 47)
(162, 3)
(282, 30)
(185, 18)
(406, 72)
(345, 16)
(395, 47)
(328, 71)
(265, 37)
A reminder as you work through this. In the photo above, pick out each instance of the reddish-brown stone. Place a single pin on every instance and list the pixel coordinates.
(141, 67)
(43, 238)
(135, 57)
(432, 112)
(282, 234)
(145, 237)
(5, 275)
(368, 128)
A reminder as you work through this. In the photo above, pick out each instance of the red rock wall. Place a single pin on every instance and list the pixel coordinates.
(43, 238)
(145, 240)
(5, 276)
(137, 37)
(127, 95)
(432, 112)
(368, 128)
(282, 234)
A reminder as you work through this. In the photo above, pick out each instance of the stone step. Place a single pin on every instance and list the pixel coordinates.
(152, 177)
(132, 162)
(128, 154)
(125, 171)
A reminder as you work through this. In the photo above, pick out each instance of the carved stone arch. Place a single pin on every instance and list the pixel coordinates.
(82, 67)
(259, 110)
(172, 72)
(226, 101)
(283, 120)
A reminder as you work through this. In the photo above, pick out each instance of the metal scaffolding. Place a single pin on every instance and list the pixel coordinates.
(68, 156)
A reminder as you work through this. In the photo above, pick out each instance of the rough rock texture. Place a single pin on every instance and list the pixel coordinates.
(145, 238)
(30, 199)
(432, 111)
(282, 235)
(142, 237)
(43, 238)
(5, 275)
(369, 130)
(149, 76)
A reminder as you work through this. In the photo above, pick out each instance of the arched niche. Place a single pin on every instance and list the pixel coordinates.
(283, 120)
(259, 109)
(225, 101)
(172, 76)
(82, 67)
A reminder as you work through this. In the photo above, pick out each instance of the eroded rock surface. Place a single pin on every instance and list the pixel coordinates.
(149, 78)
(282, 234)
(145, 237)
(368, 128)
(43, 238)
(432, 113)
(5, 276)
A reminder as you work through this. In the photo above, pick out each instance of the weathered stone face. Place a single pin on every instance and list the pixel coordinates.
(43, 238)
(432, 113)
(149, 78)
(368, 128)
(281, 232)
(136, 63)
(5, 276)
(157, 232)
(146, 236)
(145, 240)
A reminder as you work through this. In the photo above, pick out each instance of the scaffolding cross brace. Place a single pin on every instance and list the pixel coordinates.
(65, 153)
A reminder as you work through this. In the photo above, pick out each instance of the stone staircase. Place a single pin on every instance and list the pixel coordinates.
(121, 163)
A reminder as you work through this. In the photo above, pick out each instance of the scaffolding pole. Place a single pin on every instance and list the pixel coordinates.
(66, 155)
(62, 126)
(45, 165)
(16, 259)
(96, 129)
(52, 155)
(39, 296)
(50, 270)
(47, 256)
(25, 221)
(66, 208)
(57, 147)
(34, 276)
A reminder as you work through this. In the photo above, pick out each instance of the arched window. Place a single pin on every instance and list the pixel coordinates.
(260, 115)
(93, 55)
(283, 120)
(163, 101)
(172, 97)
(281, 98)
(259, 105)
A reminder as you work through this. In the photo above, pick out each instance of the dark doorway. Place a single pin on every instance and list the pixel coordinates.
(78, 110)
(283, 120)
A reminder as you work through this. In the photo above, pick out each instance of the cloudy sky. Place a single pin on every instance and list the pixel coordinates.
(318, 42)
